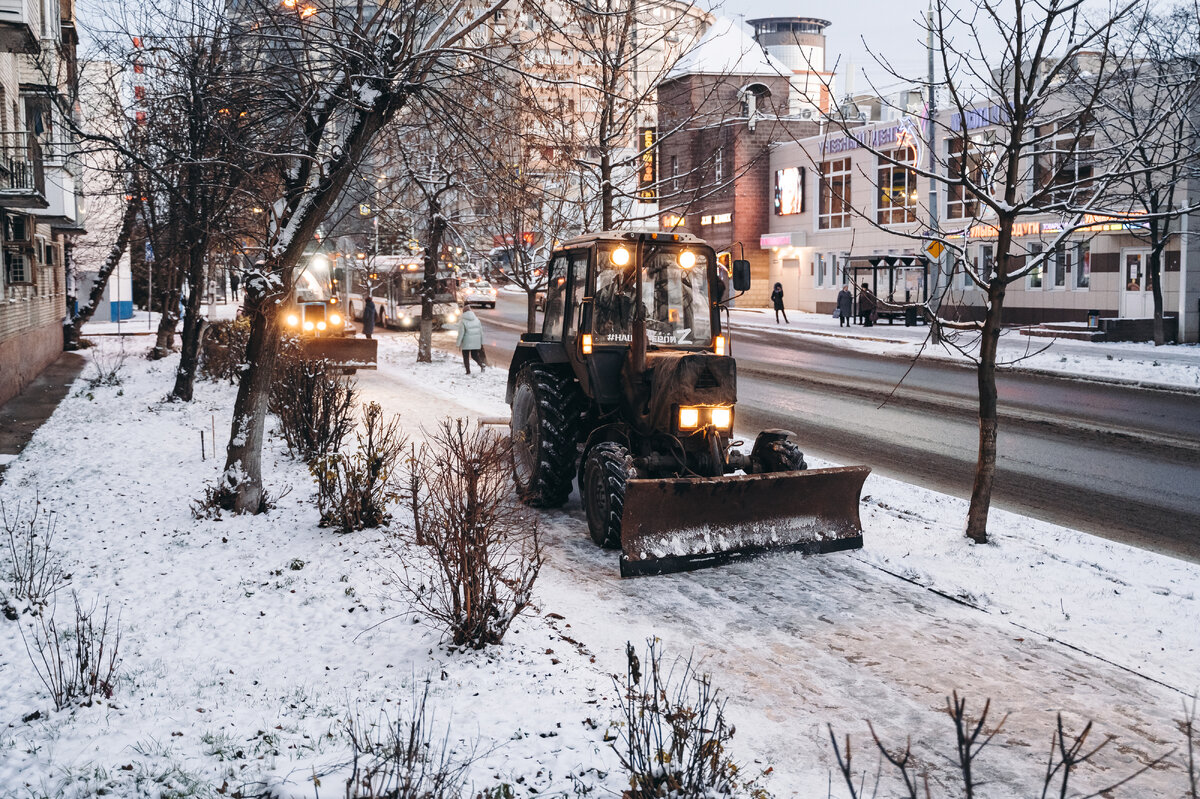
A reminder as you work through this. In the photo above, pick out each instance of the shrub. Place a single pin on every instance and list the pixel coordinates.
(223, 351)
(483, 544)
(314, 404)
(674, 737)
(401, 759)
(34, 569)
(107, 368)
(354, 491)
(77, 663)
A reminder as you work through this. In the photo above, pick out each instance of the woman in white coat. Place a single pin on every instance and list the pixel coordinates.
(470, 340)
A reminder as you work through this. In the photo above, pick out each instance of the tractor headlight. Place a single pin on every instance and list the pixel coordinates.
(293, 320)
(321, 325)
(722, 418)
(687, 259)
(719, 345)
(689, 418)
(620, 256)
(334, 319)
(308, 326)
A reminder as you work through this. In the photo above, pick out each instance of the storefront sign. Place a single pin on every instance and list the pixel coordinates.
(979, 118)
(871, 137)
(716, 219)
(647, 171)
(775, 240)
(670, 221)
(991, 231)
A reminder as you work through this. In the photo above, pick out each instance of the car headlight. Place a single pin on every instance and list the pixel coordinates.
(293, 320)
(308, 326)
(320, 325)
(689, 418)
(722, 418)
(334, 319)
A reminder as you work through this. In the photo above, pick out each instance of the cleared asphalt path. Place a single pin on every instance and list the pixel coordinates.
(1119, 462)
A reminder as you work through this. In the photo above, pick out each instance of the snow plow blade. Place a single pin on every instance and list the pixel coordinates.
(345, 353)
(681, 524)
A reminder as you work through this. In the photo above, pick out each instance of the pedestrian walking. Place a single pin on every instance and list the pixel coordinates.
(234, 282)
(777, 301)
(845, 306)
(866, 306)
(368, 317)
(470, 340)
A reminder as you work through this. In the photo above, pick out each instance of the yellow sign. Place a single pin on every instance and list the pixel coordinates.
(935, 249)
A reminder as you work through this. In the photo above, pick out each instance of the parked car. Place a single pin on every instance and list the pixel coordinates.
(477, 292)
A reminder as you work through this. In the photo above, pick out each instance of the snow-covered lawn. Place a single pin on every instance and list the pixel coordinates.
(248, 642)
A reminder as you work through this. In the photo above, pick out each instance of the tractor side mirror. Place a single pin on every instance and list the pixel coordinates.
(741, 275)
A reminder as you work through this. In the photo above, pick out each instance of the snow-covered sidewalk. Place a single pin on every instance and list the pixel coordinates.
(1175, 366)
(247, 642)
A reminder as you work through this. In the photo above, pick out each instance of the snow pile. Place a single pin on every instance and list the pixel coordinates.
(247, 643)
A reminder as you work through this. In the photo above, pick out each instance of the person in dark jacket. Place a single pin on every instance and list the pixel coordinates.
(777, 301)
(234, 282)
(866, 306)
(368, 317)
(845, 306)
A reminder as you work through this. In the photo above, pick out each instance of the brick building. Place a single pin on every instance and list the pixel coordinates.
(719, 111)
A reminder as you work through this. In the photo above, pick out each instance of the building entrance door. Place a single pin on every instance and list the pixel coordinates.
(1137, 300)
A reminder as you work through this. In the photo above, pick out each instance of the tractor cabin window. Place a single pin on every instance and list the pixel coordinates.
(556, 286)
(675, 297)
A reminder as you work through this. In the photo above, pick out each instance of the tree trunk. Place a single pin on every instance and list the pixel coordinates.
(606, 192)
(241, 485)
(189, 349)
(1155, 278)
(168, 297)
(437, 227)
(531, 311)
(71, 330)
(985, 463)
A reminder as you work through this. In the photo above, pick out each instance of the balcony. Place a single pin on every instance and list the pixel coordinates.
(20, 22)
(22, 174)
(62, 196)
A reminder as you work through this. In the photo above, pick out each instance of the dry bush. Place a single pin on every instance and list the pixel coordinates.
(355, 490)
(674, 737)
(314, 403)
(34, 569)
(76, 663)
(401, 759)
(483, 545)
(107, 368)
(223, 349)
(1068, 751)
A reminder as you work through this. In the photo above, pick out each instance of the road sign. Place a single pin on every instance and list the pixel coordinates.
(935, 249)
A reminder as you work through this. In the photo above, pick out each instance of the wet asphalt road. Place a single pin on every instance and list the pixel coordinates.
(1119, 462)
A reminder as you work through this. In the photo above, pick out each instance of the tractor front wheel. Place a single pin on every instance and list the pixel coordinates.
(545, 425)
(605, 473)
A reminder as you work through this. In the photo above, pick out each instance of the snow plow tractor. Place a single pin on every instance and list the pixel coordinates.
(630, 389)
(316, 315)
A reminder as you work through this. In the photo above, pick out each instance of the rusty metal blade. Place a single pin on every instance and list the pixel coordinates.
(680, 524)
(352, 353)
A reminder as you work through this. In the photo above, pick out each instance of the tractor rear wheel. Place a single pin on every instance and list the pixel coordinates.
(605, 473)
(545, 426)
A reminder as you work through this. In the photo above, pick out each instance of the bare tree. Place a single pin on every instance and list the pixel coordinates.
(1024, 135)
(1155, 104)
(328, 77)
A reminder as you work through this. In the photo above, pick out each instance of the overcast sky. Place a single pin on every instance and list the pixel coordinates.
(889, 27)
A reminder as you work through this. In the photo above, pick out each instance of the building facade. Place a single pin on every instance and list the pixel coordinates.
(40, 200)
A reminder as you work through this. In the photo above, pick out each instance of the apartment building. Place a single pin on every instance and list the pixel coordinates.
(40, 200)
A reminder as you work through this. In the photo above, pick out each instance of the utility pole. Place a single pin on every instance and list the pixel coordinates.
(938, 288)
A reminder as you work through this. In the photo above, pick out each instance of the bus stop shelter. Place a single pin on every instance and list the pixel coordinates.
(900, 283)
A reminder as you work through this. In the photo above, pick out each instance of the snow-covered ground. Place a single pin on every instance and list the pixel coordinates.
(1173, 366)
(247, 642)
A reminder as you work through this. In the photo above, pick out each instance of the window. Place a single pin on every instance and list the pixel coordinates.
(968, 158)
(718, 164)
(675, 172)
(834, 211)
(579, 262)
(897, 188)
(982, 265)
(819, 270)
(1033, 281)
(1063, 169)
(552, 325)
(1083, 265)
(16, 267)
(1061, 265)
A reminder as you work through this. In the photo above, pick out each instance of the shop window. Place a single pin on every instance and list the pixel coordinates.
(1083, 265)
(1061, 265)
(1035, 278)
(834, 209)
(897, 188)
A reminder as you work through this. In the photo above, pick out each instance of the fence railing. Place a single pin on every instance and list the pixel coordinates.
(22, 168)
